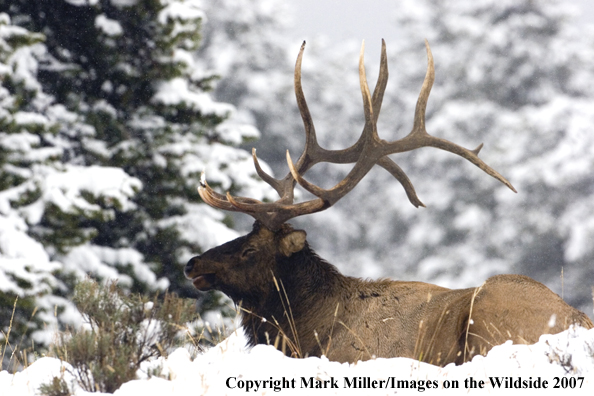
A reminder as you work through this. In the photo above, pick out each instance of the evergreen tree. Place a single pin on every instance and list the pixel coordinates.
(137, 126)
(25, 268)
(38, 189)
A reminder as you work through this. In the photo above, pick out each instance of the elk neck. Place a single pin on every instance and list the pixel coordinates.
(309, 289)
(309, 279)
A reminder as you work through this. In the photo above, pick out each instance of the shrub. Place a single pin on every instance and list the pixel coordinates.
(121, 331)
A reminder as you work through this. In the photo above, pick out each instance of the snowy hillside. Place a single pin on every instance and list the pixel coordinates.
(559, 364)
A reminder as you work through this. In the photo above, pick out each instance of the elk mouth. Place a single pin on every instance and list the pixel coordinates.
(203, 282)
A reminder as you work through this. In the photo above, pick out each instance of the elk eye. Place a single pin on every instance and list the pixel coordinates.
(247, 252)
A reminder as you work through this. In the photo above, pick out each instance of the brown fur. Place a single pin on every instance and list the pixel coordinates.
(315, 310)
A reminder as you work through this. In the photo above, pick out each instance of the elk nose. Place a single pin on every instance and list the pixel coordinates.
(189, 266)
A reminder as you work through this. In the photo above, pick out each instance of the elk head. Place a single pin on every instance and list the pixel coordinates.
(245, 267)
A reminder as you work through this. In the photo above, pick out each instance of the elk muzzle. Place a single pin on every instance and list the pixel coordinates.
(201, 279)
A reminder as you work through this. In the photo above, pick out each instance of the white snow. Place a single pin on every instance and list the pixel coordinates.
(560, 167)
(108, 26)
(234, 133)
(18, 141)
(124, 3)
(82, 2)
(64, 188)
(180, 11)
(192, 226)
(27, 118)
(105, 263)
(177, 91)
(565, 359)
(22, 259)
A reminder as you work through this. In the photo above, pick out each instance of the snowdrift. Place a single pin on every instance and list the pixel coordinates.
(557, 364)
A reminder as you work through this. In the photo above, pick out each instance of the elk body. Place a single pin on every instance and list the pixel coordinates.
(292, 298)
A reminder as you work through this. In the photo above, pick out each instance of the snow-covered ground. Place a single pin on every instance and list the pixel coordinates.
(560, 364)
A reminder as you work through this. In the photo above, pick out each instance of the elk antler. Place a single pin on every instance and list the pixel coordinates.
(368, 151)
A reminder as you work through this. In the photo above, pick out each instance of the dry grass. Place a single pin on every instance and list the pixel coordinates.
(7, 335)
(201, 334)
(282, 341)
(476, 291)
(326, 350)
(287, 308)
(19, 356)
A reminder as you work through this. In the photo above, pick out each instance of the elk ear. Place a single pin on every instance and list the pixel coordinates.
(293, 242)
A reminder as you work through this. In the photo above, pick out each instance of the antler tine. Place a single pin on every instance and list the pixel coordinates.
(313, 153)
(370, 120)
(274, 183)
(419, 123)
(212, 197)
(382, 82)
(398, 173)
(274, 214)
(284, 187)
(228, 202)
(470, 155)
(351, 154)
(311, 142)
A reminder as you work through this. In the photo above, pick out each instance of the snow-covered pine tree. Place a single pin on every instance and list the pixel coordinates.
(137, 102)
(25, 268)
(37, 189)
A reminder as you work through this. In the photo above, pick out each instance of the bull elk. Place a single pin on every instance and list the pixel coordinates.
(292, 298)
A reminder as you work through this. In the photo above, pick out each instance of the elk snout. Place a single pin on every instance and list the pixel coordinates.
(201, 279)
(189, 267)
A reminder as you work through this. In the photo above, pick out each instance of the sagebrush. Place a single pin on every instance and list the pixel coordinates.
(121, 332)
